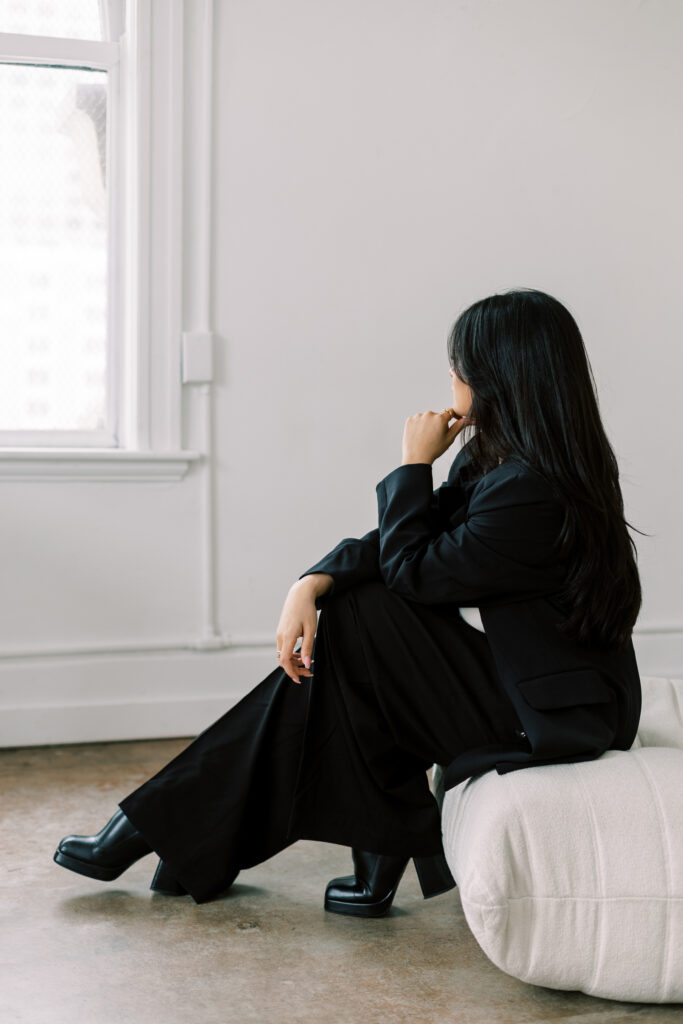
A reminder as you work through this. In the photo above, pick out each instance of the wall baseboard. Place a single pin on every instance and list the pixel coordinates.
(46, 725)
(123, 697)
(659, 652)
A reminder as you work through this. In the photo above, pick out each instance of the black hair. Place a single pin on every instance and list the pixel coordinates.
(534, 398)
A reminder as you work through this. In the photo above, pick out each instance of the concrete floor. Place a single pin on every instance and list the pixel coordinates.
(73, 949)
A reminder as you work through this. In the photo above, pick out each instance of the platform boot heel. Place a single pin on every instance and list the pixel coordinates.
(434, 875)
(164, 882)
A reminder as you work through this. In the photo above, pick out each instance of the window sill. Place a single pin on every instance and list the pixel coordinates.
(93, 464)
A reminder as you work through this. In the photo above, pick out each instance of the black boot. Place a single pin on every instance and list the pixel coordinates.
(164, 881)
(370, 892)
(105, 855)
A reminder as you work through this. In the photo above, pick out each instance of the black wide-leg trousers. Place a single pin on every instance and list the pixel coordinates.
(397, 687)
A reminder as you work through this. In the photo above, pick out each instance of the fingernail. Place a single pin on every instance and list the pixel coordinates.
(307, 661)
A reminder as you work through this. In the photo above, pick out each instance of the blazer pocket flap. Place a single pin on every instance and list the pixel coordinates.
(564, 689)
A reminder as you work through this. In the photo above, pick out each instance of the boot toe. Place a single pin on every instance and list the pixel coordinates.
(67, 858)
(105, 855)
(344, 886)
(348, 895)
(76, 846)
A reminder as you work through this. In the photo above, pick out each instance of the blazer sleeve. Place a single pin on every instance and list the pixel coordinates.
(502, 549)
(356, 559)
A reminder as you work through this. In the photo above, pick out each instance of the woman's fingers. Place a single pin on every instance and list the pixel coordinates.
(299, 619)
(287, 661)
(290, 660)
(285, 647)
(300, 666)
(307, 642)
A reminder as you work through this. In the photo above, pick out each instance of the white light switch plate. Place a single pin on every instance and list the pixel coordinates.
(197, 357)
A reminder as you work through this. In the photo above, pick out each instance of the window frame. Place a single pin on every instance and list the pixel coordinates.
(144, 390)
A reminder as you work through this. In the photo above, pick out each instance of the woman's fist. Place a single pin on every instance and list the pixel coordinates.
(426, 435)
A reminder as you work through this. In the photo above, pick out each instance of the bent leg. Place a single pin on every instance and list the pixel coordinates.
(223, 803)
(340, 758)
(399, 687)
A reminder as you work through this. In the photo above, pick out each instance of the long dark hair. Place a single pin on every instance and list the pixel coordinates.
(534, 397)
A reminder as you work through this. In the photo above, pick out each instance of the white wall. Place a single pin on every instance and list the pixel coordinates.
(379, 165)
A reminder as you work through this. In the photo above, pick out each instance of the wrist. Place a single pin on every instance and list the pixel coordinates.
(318, 583)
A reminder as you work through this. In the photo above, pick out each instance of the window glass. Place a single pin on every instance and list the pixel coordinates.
(75, 19)
(53, 247)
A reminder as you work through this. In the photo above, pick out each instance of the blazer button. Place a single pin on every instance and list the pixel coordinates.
(520, 733)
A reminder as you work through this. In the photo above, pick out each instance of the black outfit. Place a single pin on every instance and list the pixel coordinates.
(401, 682)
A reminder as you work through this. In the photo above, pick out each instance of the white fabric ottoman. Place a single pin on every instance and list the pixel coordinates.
(571, 875)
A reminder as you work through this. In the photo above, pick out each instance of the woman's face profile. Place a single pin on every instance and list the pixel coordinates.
(462, 394)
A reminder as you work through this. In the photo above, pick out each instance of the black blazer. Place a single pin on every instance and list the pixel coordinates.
(490, 542)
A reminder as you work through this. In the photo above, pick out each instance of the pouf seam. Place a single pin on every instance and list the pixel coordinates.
(599, 875)
(665, 960)
(571, 899)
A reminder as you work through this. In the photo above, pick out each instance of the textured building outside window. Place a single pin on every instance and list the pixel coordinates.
(53, 228)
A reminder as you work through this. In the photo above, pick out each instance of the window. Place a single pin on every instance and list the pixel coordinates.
(75, 352)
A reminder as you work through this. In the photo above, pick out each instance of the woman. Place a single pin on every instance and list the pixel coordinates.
(529, 529)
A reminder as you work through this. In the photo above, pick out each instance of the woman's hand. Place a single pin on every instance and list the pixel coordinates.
(426, 435)
(299, 618)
